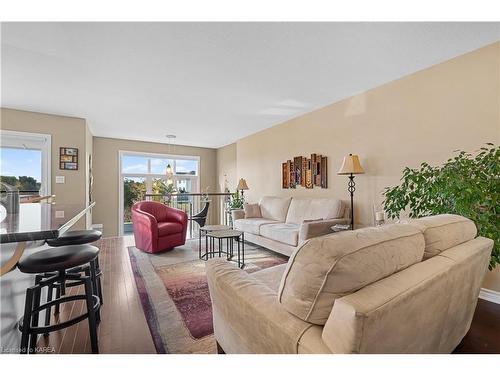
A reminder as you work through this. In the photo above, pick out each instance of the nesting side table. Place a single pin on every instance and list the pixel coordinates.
(207, 229)
(228, 236)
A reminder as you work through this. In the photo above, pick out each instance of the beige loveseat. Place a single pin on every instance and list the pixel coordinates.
(400, 288)
(286, 223)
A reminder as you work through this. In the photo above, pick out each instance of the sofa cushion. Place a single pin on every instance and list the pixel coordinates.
(271, 276)
(442, 232)
(166, 229)
(330, 267)
(252, 225)
(282, 232)
(274, 208)
(252, 210)
(314, 208)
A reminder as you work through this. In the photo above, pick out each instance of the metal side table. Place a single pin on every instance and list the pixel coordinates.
(227, 236)
(207, 229)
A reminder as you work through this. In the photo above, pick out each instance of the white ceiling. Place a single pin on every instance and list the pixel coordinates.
(212, 83)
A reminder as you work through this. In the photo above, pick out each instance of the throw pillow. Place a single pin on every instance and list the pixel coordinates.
(252, 210)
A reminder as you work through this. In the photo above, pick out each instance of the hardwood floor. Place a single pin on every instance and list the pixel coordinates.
(484, 334)
(123, 327)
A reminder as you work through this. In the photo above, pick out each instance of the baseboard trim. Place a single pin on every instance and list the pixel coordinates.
(490, 295)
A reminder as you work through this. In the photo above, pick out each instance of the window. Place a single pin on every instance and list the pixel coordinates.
(134, 164)
(146, 173)
(25, 161)
(189, 167)
(159, 166)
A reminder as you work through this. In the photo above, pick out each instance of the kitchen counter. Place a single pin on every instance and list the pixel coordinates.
(35, 222)
(40, 221)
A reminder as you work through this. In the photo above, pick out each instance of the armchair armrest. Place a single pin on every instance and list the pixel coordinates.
(145, 228)
(175, 215)
(318, 228)
(144, 219)
(247, 315)
(238, 214)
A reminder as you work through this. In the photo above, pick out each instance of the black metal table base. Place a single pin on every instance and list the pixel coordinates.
(211, 250)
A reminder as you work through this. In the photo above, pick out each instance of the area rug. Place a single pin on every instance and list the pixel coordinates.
(174, 294)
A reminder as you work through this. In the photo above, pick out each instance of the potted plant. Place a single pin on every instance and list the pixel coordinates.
(235, 203)
(467, 185)
(165, 189)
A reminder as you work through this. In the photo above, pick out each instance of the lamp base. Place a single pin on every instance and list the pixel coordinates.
(351, 187)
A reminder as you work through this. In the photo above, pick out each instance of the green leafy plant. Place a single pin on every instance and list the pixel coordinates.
(236, 201)
(467, 184)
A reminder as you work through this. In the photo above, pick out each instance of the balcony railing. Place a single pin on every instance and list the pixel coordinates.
(193, 203)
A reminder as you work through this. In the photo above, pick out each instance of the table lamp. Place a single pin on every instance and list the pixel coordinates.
(242, 185)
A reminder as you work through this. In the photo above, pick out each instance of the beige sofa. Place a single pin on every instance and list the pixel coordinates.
(400, 288)
(286, 223)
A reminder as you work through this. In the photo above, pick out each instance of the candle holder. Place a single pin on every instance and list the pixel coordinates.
(378, 215)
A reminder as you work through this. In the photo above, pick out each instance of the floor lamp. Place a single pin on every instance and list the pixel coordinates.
(350, 167)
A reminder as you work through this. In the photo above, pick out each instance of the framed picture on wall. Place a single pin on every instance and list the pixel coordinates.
(68, 158)
(305, 172)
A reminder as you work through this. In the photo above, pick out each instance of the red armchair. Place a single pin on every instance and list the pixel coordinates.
(158, 227)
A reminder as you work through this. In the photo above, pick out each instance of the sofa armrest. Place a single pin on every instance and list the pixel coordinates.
(425, 308)
(247, 315)
(318, 228)
(238, 214)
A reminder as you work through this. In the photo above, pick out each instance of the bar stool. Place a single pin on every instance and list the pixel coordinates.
(51, 266)
(76, 237)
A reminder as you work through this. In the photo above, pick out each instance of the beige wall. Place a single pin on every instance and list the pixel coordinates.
(226, 168)
(421, 117)
(105, 171)
(65, 132)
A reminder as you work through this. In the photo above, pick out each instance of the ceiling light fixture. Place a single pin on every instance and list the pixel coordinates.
(168, 171)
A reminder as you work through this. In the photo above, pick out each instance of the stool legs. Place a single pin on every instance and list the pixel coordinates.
(91, 316)
(62, 292)
(90, 272)
(98, 274)
(34, 319)
(49, 309)
(28, 324)
(95, 274)
(25, 336)
(58, 295)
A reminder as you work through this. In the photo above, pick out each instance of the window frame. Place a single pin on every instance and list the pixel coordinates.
(148, 177)
(33, 141)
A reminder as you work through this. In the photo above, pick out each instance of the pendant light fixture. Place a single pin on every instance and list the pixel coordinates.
(168, 172)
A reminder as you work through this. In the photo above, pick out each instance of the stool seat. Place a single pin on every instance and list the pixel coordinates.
(75, 237)
(58, 258)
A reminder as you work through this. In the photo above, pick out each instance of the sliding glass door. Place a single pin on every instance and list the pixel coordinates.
(142, 173)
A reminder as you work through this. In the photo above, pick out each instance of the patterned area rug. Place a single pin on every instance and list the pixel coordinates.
(174, 294)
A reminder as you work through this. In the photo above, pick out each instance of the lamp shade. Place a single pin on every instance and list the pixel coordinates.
(242, 185)
(350, 165)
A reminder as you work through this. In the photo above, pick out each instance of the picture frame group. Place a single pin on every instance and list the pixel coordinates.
(68, 158)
